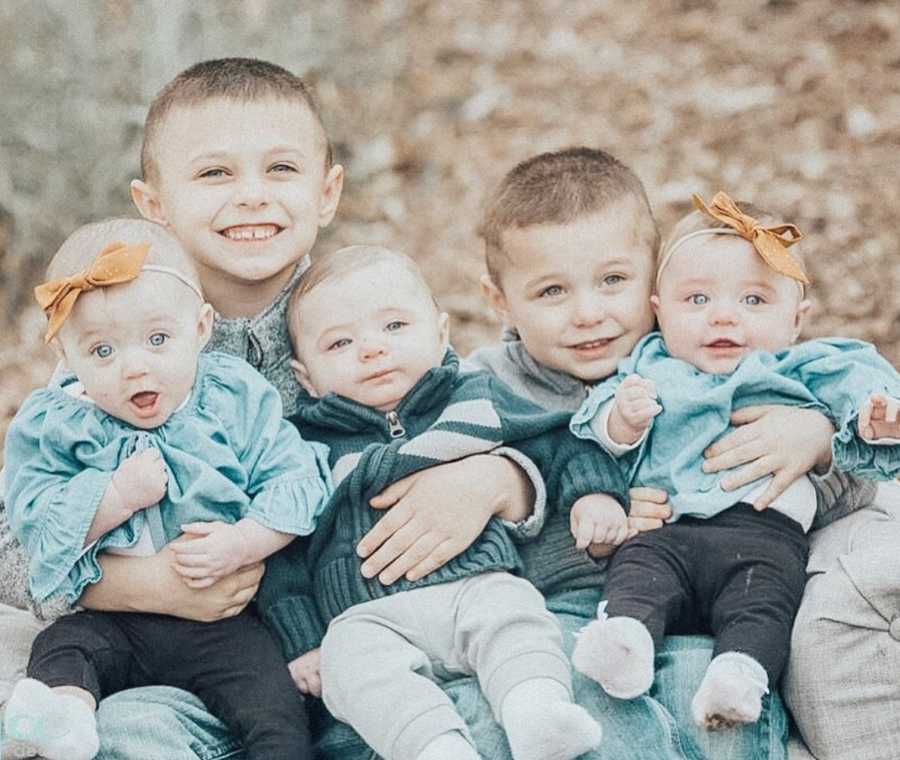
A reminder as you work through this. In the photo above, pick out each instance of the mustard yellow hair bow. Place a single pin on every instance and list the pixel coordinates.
(115, 264)
(771, 243)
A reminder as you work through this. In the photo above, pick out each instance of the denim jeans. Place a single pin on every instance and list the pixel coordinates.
(164, 722)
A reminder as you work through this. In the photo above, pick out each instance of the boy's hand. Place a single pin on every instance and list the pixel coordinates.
(305, 672)
(140, 481)
(783, 441)
(649, 510)
(878, 418)
(433, 515)
(634, 408)
(217, 551)
(599, 519)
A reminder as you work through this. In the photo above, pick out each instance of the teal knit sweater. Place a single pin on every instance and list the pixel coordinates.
(446, 416)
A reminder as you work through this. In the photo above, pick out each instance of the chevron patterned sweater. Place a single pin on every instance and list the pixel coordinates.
(446, 416)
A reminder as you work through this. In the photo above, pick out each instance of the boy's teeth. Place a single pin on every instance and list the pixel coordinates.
(251, 232)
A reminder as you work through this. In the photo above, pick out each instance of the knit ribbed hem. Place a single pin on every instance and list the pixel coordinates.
(296, 625)
(552, 563)
(524, 667)
(339, 585)
(425, 728)
(594, 472)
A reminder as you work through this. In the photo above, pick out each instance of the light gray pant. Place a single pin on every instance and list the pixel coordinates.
(379, 659)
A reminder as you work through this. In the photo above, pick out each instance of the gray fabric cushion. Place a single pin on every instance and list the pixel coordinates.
(843, 680)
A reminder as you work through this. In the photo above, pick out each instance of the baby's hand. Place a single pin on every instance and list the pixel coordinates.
(599, 519)
(305, 672)
(635, 406)
(878, 418)
(141, 480)
(218, 552)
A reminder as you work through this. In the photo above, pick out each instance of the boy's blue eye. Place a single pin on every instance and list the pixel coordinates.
(395, 325)
(339, 343)
(613, 279)
(753, 300)
(552, 290)
(283, 168)
(212, 173)
(102, 351)
(157, 339)
(698, 299)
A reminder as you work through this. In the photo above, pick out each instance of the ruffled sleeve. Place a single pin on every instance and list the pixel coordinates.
(289, 481)
(51, 496)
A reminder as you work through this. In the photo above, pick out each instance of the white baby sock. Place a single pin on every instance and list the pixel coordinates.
(542, 723)
(449, 746)
(731, 692)
(59, 726)
(617, 653)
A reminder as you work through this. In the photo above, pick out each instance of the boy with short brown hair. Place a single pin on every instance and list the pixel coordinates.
(571, 243)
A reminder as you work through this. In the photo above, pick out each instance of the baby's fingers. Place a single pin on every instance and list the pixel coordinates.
(864, 423)
(583, 530)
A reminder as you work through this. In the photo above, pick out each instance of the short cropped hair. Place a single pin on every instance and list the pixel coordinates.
(80, 249)
(558, 188)
(239, 79)
(342, 262)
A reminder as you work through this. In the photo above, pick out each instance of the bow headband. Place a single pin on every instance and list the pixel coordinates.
(771, 243)
(117, 263)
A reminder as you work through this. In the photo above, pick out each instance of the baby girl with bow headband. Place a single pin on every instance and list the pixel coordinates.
(729, 300)
(139, 439)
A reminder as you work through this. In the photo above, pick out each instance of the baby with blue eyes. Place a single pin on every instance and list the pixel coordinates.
(142, 439)
(729, 299)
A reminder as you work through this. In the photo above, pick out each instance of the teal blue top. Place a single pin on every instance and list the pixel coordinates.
(228, 452)
(831, 375)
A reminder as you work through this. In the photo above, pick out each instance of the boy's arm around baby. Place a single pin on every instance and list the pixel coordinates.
(571, 468)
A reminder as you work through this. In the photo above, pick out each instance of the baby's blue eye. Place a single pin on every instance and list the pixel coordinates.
(698, 299)
(339, 343)
(103, 351)
(613, 279)
(551, 290)
(395, 325)
(157, 339)
(753, 300)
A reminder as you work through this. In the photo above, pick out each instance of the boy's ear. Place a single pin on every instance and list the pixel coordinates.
(654, 303)
(205, 324)
(496, 300)
(146, 199)
(802, 308)
(302, 376)
(332, 186)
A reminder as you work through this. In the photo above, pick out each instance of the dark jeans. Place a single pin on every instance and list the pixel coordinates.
(739, 575)
(233, 665)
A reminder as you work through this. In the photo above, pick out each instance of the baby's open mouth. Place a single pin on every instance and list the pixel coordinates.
(145, 403)
(251, 232)
(723, 343)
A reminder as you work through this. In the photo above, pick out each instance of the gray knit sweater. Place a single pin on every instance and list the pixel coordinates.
(550, 561)
(262, 340)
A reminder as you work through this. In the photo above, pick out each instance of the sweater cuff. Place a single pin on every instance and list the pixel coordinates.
(595, 472)
(531, 526)
(296, 625)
